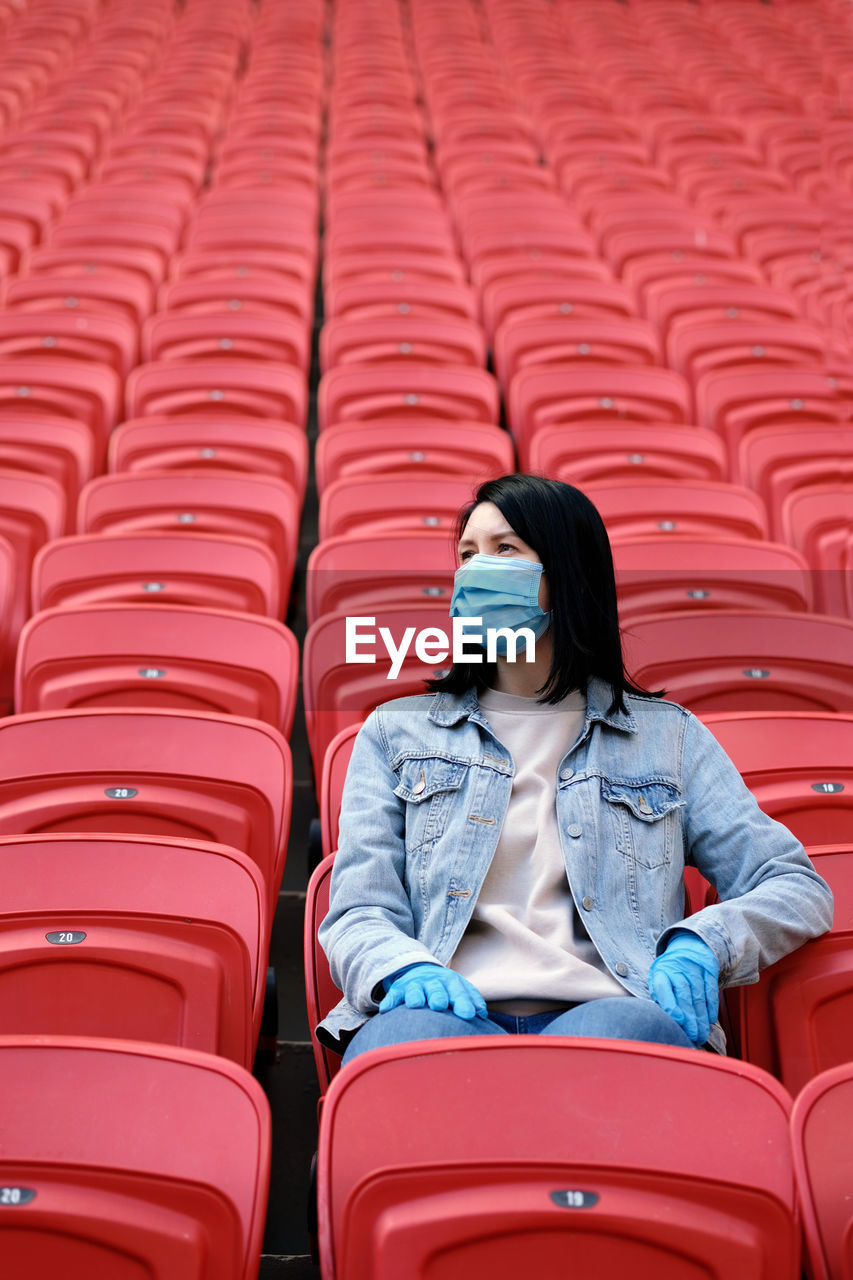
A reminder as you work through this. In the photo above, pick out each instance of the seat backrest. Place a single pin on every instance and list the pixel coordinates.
(749, 660)
(335, 764)
(221, 502)
(373, 504)
(538, 396)
(131, 1158)
(133, 937)
(524, 1150)
(338, 692)
(817, 520)
(158, 655)
(157, 772)
(797, 1020)
(697, 508)
(259, 388)
(320, 991)
(674, 572)
(178, 568)
(371, 448)
(355, 393)
(235, 444)
(626, 452)
(822, 1112)
(357, 572)
(798, 764)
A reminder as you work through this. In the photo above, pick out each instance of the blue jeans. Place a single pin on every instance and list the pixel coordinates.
(612, 1018)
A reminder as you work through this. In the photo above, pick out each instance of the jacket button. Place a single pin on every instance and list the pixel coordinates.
(622, 970)
(588, 903)
(574, 830)
(566, 774)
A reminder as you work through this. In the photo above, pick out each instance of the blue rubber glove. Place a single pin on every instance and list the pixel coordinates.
(432, 986)
(684, 981)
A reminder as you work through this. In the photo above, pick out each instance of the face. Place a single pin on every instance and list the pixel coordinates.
(488, 534)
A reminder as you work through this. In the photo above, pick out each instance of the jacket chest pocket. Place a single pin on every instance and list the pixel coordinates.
(430, 787)
(643, 819)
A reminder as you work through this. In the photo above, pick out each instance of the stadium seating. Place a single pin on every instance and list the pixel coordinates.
(574, 1165)
(360, 571)
(745, 661)
(234, 444)
(198, 569)
(798, 764)
(157, 772)
(794, 1020)
(158, 655)
(233, 503)
(118, 1167)
(658, 572)
(133, 938)
(822, 1112)
(476, 449)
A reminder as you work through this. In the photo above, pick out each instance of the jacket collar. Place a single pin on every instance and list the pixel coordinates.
(449, 709)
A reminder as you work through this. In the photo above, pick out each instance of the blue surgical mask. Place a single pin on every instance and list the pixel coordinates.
(504, 592)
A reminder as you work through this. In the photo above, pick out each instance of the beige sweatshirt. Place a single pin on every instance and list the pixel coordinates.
(525, 948)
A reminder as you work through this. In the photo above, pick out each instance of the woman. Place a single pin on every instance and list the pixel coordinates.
(512, 844)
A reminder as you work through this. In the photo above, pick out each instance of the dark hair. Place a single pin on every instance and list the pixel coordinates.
(565, 530)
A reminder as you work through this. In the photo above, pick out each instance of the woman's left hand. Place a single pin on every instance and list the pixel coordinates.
(684, 981)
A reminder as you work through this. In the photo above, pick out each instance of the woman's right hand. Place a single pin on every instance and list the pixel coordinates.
(432, 986)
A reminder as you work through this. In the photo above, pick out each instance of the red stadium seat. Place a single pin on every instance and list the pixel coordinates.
(705, 299)
(150, 772)
(223, 502)
(691, 508)
(747, 660)
(110, 261)
(249, 263)
(158, 655)
(246, 336)
(258, 388)
(177, 568)
(798, 764)
(735, 401)
(697, 348)
(320, 992)
(373, 448)
(338, 693)
(538, 397)
(541, 299)
(423, 299)
(335, 765)
(818, 520)
(59, 448)
(63, 387)
(256, 295)
(821, 1112)
(123, 1171)
(196, 444)
(568, 340)
(122, 294)
(105, 339)
(357, 571)
(795, 1021)
(391, 502)
(32, 512)
(776, 460)
(134, 938)
(656, 573)
(578, 1166)
(408, 339)
(355, 393)
(603, 453)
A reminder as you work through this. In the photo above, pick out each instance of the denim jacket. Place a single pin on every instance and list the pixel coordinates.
(639, 795)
